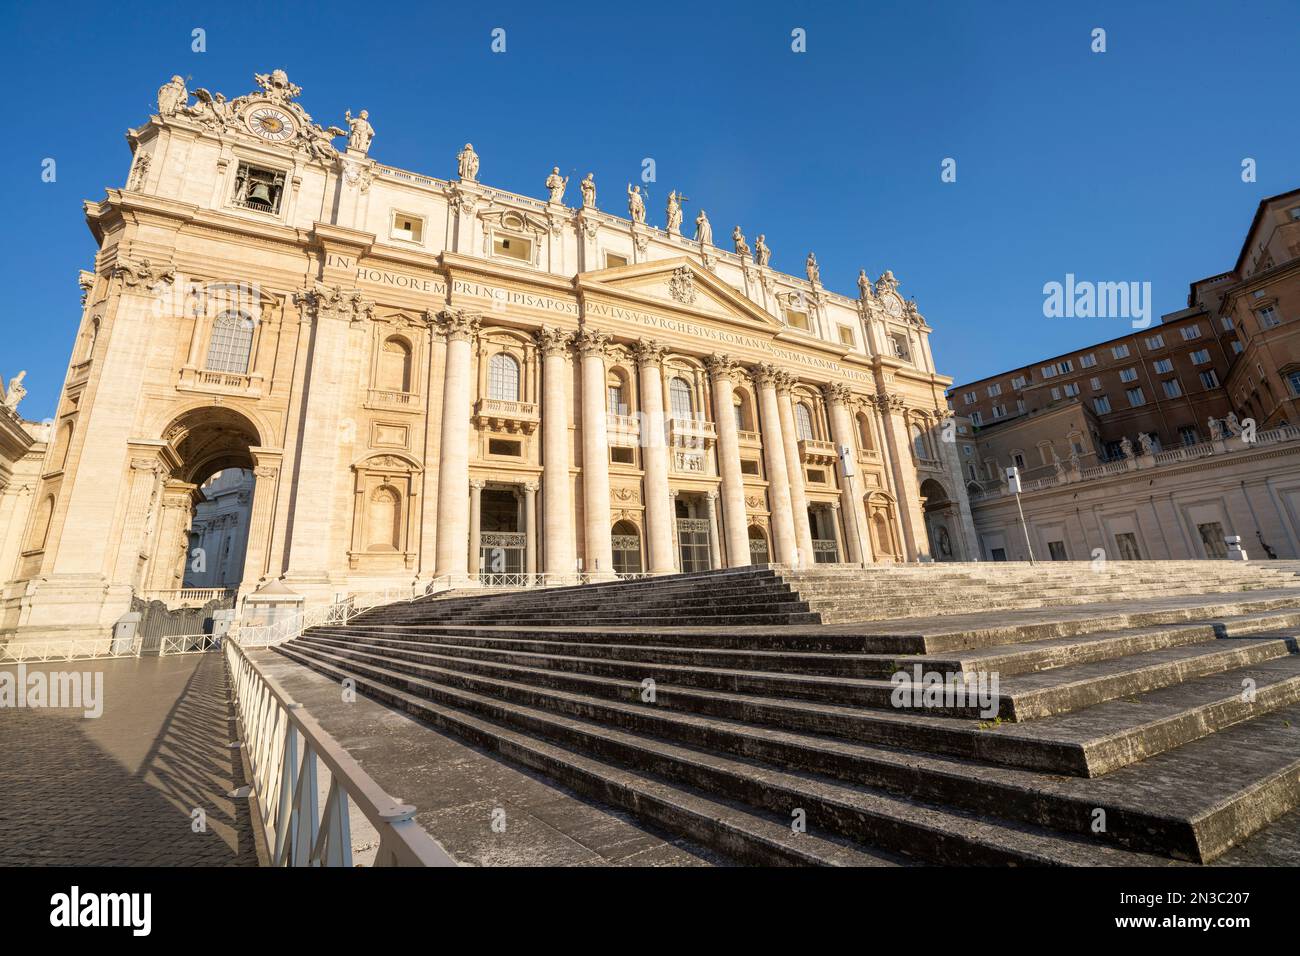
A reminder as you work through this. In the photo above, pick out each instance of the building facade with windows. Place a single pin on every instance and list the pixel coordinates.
(415, 379)
(1162, 441)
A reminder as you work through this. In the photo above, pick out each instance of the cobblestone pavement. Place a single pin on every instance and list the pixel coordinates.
(121, 789)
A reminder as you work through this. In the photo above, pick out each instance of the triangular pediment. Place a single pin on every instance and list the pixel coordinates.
(682, 284)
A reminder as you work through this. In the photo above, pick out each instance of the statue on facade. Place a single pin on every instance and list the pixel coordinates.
(467, 163)
(742, 247)
(1057, 467)
(635, 204)
(211, 110)
(1148, 446)
(674, 213)
(361, 131)
(703, 230)
(588, 187)
(556, 185)
(762, 254)
(1232, 424)
(1074, 459)
(172, 96)
(15, 392)
(1216, 429)
(886, 283)
(814, 271)
(1125, 447)
(864, 285)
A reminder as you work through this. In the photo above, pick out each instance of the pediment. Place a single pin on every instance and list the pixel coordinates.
(684, 285)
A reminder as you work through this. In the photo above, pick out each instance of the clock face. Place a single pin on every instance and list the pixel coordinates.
(893, 306)
(271, 124)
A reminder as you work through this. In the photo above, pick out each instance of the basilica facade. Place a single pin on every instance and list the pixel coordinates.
(416, 379)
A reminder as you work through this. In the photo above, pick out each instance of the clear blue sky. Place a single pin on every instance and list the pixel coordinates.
(1116, 166)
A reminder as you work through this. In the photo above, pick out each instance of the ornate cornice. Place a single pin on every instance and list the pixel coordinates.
(322, 301)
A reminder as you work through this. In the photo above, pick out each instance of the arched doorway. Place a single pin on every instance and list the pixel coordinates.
(626, 541)
(880, 519)
(198, 537)
(940, 513)
(758, 550)
(693, 544)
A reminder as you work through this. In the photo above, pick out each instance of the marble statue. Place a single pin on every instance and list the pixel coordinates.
(674, 213)
(703, 230)
(1057, 467)
(588, 187)
(635, 204)
(742, 247)
(1232, 424)
(762, 254)
(1125, 447)
(864, 285)
(15, 392)
(172, 96)
(556, 184)
(814, 271)
(467, 163)
(1074, 460)
(1216, 429)
(1148, 446)
(361, 131)
(886, 283)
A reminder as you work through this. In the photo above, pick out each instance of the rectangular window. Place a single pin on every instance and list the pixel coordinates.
(1101, 404)
(1268, 317)
(1227, 323)
(512, 247)
(1095, 383)
(1237, 347)
(1163, 366)
(1056, 394)
(1293, 382)
(1019, 382)
(816, 476)
(1200, 356)
(1191, 332)
(1019, 460)
(1056, 550)
(1065, 367)
(613, 260)
(499, 446)
(1209, 379)
(1172, 388)
(1135, 397)
(1187, 434)
(999, 411)
(1049, 371)
(977, 418)
(407, 227)
(1127, 544)
(1071, 390)
(1128, 374)
(621, 455)
(748, 466)
(846, 336)
(969, 398)
(995, 390)
(1020, 406)
(1119, 351)
(258, 189)
(900, 347)
(796, 319)
(1087, 361)
(1155, 341)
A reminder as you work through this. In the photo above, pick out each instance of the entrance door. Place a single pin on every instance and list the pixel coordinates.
(501, 544)
(693, 543)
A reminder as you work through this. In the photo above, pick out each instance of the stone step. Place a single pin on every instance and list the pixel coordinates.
(874, 817)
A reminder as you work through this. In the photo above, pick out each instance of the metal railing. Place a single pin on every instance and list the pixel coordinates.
(68, 649)
(285, 748)
(188, 644)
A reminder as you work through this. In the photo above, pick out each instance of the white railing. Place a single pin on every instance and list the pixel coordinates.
(188, 644)
(286, 748)
(522, 579)
(187, 597)
(69, 649)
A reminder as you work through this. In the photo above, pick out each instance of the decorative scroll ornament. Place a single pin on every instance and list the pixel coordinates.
(682, 285)
(553, 341)
(334, 302)
(142, 272)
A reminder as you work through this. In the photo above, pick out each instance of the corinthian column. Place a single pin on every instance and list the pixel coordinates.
(461, 328)
(654, 458)
(892, 408)
(599, 549)
(723, 372)
(837, 403)
(794, 469)
(778, 481)
(557, 499)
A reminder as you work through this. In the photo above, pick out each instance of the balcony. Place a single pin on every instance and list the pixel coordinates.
(624, 431)
(751, 439)
(494, 414)
(225, 383)
(691, 432)
(388, 398)
(814, 452)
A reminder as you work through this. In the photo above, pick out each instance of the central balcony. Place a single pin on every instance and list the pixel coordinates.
(623, 431)
(495, 414)
(691, 432)
(816, 452)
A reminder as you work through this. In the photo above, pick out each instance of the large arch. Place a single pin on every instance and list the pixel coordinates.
(940, 520)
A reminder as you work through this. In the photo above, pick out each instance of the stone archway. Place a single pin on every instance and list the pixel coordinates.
(940, 520)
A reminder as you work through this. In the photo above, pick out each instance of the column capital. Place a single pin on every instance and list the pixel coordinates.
(530, 486)
(889, 403)
(476, 484)
(590, 341)
(320, 301)
(722, 366)
(649, 352)
(553, 341)
(765, 375)
(836, 393)
(784, 382)
(459, 325)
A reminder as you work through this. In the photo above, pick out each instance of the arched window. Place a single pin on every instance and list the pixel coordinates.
(231, 343)
(864, 433)
(41, 526)
(680, 395)
(803, 422)
(918, 443)
(616, 393)
(395, 366)
(383, 520)
(744, 420)
(60, 457)
(503, 378)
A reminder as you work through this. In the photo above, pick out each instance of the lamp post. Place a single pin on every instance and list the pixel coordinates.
(1013, 483)
(846, 469)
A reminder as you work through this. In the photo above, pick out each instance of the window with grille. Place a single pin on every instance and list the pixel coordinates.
(231, 343)
(503, 378)
(803, 422)
(679, 394)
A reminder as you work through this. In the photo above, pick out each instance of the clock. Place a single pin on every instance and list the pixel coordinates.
(893, 306)
(273, 125)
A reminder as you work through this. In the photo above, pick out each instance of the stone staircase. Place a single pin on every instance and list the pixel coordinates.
(1144, 713)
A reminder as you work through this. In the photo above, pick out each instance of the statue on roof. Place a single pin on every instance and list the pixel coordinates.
(742, 247)
(172, 96)
(674, 213)
(635, 204)
(467, 163)
(362, 132)
(864, 285)
(814, 271)
(555, 185)
(703, 229)
(15, 392)
(588, 187)
(762, 254)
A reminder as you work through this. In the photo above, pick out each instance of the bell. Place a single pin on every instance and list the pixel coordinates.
(260, 192)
